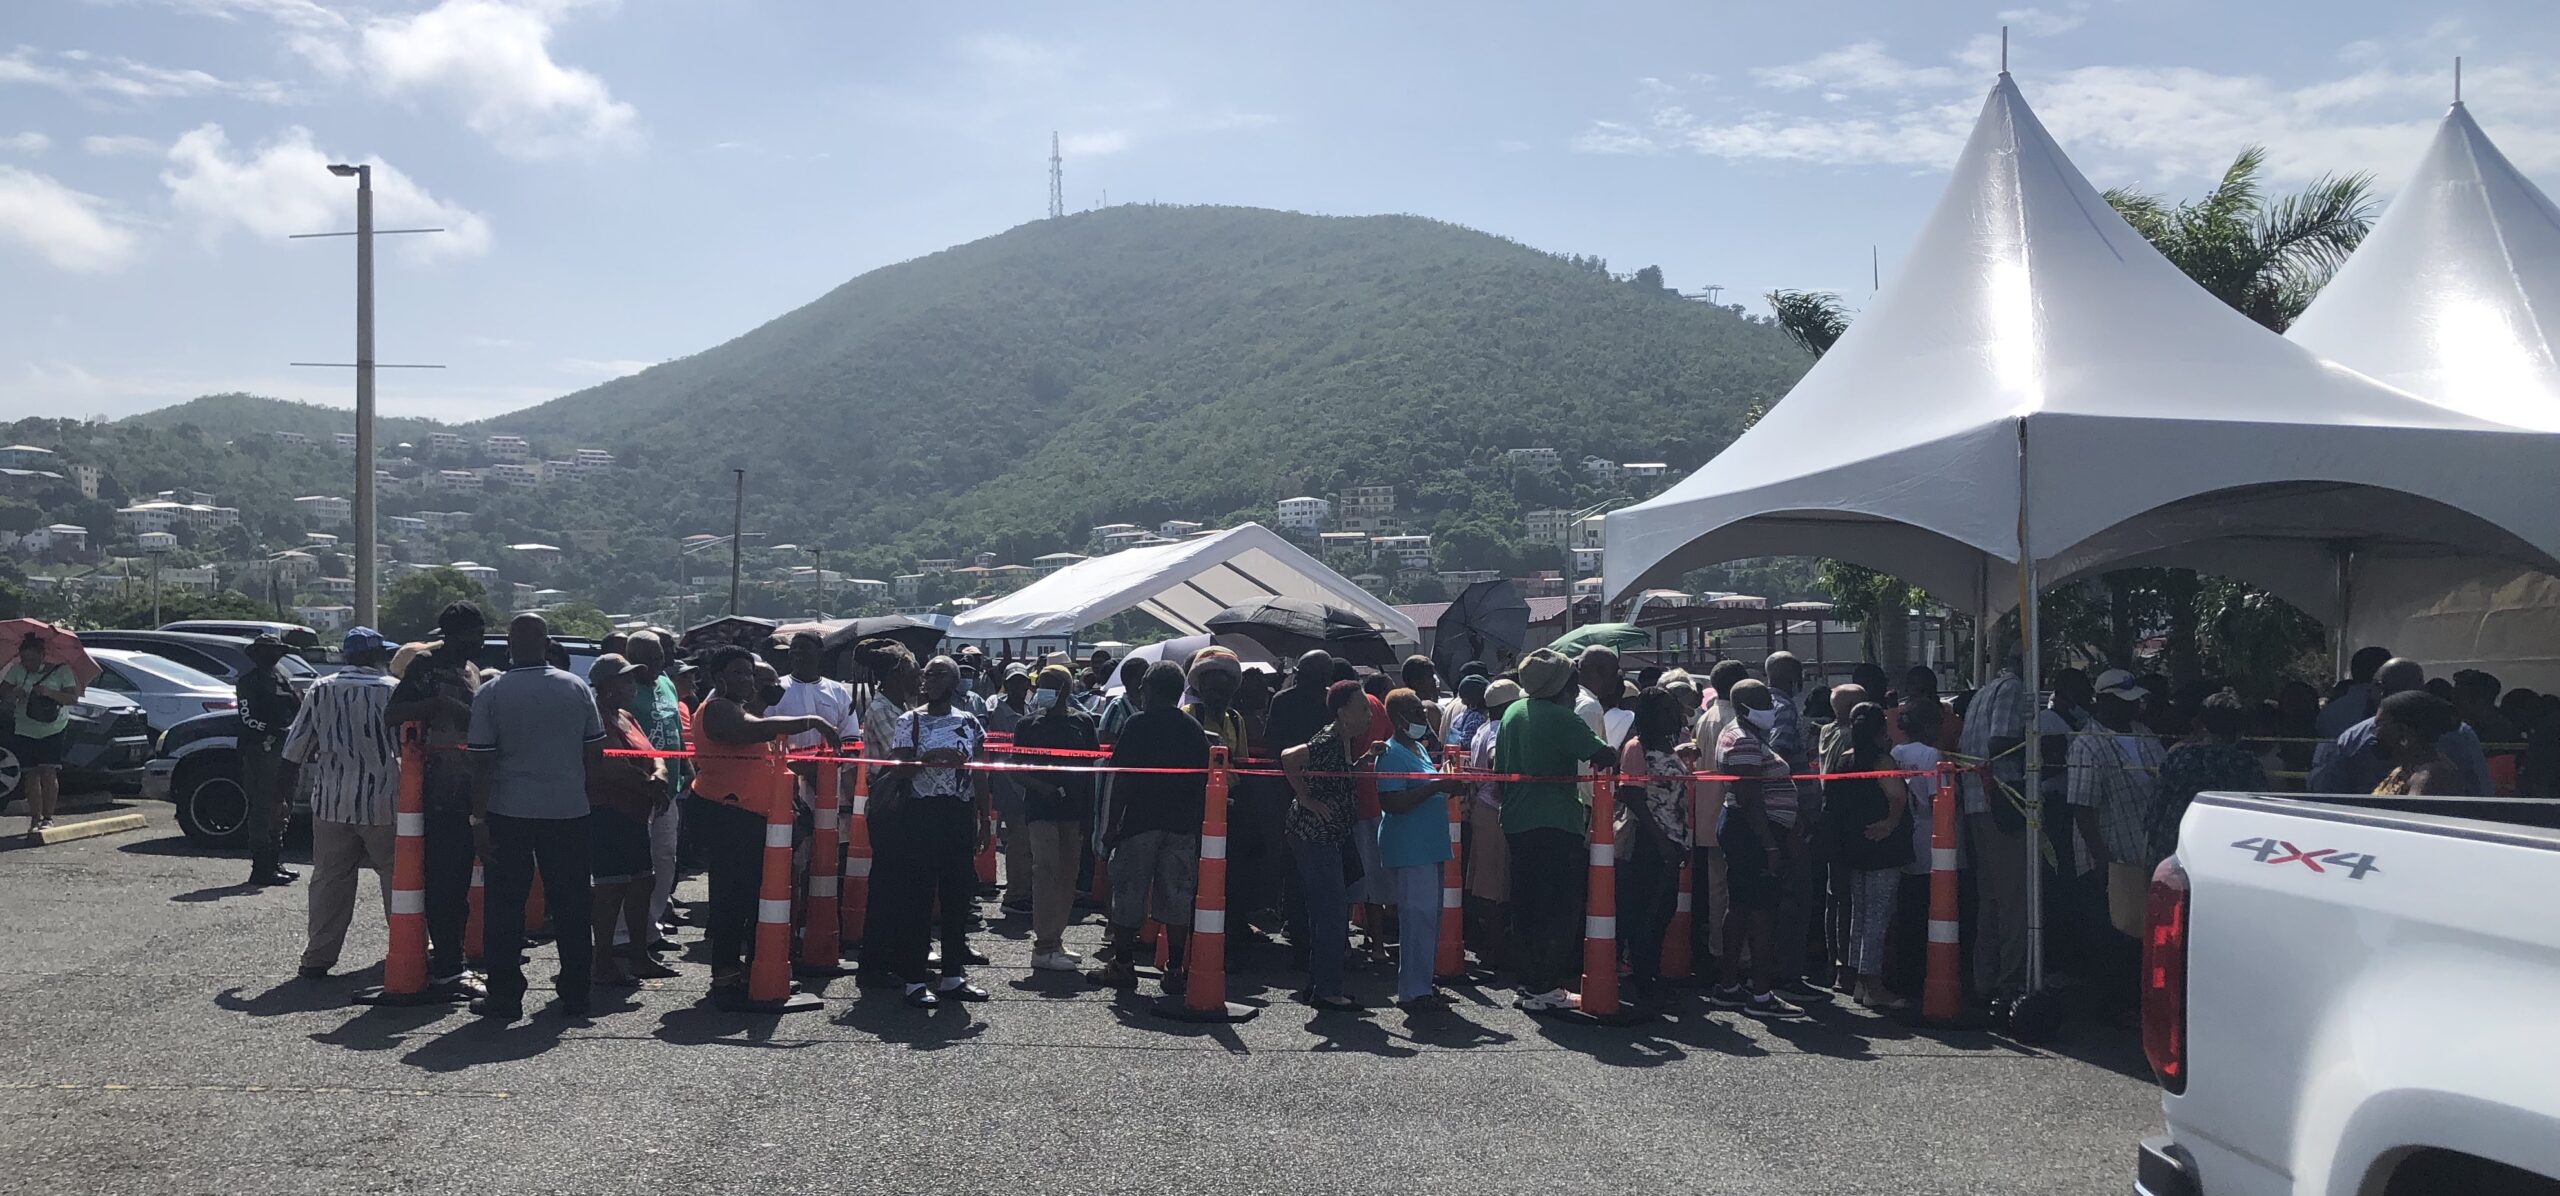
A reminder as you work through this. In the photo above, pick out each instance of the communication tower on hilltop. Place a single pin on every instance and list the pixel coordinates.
(1057, 180)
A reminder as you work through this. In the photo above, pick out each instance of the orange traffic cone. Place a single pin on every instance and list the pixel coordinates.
(479, 900)
(856, 904)
(404, 969)
(1204, 990)
(1163, 943)
(1677, 963)
(1600, 916)
(1942, 992)
(821, 923)
(769, 972)
(1451, 963)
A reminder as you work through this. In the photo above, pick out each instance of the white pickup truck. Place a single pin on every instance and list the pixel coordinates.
(2355, 997)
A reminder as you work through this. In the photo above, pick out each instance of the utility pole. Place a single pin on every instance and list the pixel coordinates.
(364, 365)
(1057, 179)
(818, 574)
(737, 536)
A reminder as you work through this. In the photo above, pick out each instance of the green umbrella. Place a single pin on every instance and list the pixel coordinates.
(1620, 636)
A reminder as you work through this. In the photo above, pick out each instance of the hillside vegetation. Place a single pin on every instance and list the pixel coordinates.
(1135, 364)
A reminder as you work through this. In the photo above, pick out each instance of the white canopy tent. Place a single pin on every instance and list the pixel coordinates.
(2038, 386)
(1181, 584)
(2455, 296)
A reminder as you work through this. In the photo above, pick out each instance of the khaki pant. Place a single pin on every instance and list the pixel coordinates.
(1999, 864)
(338, 849)
(1057, 852)
(2129, 897)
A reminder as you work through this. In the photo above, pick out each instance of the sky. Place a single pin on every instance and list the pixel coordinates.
(622, 182)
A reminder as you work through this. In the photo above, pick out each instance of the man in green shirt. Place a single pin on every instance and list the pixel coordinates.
(1545, 824)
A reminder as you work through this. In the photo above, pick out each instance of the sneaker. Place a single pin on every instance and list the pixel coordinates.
(1729, 996)
(1057, 961)
(498, 1010)
(1548, 1001)
(1020, 908)
(311, 971)
(1773, 1008)
(1801, 991)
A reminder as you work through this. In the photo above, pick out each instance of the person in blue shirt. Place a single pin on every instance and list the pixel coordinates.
(1413, 845)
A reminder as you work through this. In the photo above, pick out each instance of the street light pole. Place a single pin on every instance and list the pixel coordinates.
(737, 537)
(365, 549)
(819, 575)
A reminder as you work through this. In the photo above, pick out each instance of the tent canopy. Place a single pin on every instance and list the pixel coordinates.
(2455, 296)
(2038, 377)
(1180, 584)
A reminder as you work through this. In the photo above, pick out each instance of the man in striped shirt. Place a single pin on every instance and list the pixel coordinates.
(341, 738)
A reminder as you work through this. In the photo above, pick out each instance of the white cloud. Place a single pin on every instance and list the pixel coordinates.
(293, 14)
(71, 230)
(25, 143)
(492, 60)
(96, 77)
(2160, 127)
(2045, 22)
(285, 188)
(122, 145)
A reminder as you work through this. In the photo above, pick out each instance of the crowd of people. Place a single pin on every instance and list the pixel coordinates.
(1801, 817)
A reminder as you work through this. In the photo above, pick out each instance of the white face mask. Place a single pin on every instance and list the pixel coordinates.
(1416, 731)
(1765, 720)
(1042, 699)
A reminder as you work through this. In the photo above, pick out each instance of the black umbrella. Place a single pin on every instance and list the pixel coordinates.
(1294, 626)
(1489, 621)
(919, 636)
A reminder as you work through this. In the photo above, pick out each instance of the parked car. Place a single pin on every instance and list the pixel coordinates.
(582, 652)
(2354, 995)
(169, 692)
(221, 656)
(301, 639)
(109, 739)
(197, 771)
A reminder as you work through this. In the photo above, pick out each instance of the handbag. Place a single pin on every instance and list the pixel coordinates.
(39, 707)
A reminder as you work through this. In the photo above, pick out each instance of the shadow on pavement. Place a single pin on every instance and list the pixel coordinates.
(480, 1041)
(884, 1014)
(214, 893)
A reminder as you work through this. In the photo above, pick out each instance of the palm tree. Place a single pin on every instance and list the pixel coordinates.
(2266, 258)
(1879, 602)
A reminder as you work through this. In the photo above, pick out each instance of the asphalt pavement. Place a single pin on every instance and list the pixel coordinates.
(153, 1039)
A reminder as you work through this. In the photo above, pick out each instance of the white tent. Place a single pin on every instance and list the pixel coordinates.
(2039, 385)
(2456, 297)
(1181, 584)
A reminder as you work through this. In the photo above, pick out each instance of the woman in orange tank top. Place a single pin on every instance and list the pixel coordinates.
(737, 774)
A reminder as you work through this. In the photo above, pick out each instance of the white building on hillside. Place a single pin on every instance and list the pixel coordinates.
(508, 448)
(513, 474)
(1175, 529)
(457, 481)
(1410, 554)
(325, 510)
(156, 541)
(1532, 458)
(447, 442)
(1549, 526)
(1052, 562)
(1303, 515)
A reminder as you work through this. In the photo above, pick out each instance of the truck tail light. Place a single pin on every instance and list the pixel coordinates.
(2164, 976)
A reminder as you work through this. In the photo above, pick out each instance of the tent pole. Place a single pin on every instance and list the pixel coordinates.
(1981, 621)
(2345, 554)
(2031, 630)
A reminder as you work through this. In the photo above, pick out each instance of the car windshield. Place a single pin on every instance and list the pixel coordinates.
(169, 674)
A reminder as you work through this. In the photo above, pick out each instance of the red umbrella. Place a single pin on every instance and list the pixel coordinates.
(60, 646)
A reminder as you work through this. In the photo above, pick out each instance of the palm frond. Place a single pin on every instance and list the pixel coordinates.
(2148, 214)
(1813, 319)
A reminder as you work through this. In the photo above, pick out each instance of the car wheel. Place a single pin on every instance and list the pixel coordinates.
(10, 777)
(212, 805)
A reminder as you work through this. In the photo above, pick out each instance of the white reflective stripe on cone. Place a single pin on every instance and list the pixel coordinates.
(858, 866)
(409, 825)
(408, 901)
(861, 804)
(1453, 899)
(777, 834)
(1600, 928)
(1454, 828)
(773, 911)
(1213, 847)
(822, 886)
(1686, 904)
(1942, 859)
(1208, 921)
(1942, 932)
(1603, 855)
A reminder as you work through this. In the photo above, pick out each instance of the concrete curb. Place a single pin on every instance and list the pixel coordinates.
(88, 828)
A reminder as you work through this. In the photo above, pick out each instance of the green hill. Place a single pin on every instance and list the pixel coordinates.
(237, 414)
(1136, 364)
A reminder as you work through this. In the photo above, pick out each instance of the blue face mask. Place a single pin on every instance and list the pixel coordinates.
(1416, 731)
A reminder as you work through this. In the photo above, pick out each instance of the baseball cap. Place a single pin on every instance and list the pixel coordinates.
(1501, 693)
(609, 666)
(362, 641)
(2119, 683)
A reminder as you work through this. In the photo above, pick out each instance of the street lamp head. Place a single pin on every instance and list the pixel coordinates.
(342, 170)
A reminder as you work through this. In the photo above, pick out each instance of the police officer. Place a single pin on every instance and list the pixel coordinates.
(267, 705)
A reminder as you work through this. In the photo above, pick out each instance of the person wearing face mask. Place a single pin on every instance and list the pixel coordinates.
(1154, 828)
(951, 813)
(653, 704)
(2112, 784)
(1005, 717)
(1762, 844)
(1413, 844)
(1055, 806)
(734, 786)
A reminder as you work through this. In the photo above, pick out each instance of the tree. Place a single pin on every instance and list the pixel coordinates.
(134, 609)
(1648, 279)
(578, 619)
(2265, 257)
(1814, 320)
(410, 606)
